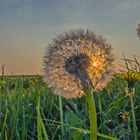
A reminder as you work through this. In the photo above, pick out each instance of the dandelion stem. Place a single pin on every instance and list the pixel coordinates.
(92, 115)
(133, 118)
(61, 115)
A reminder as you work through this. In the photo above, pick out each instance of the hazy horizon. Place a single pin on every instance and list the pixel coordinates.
(27, 27)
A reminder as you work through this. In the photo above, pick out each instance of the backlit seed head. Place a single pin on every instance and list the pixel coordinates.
(77, 61)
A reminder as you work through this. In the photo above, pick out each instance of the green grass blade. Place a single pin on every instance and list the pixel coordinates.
(88, 132)
(40, 124)
(61, 115)
(44, 131)
(133, 118)
(6, 137)
(80, 130)
(23, 125)
(106, 136)
(15, 119)
(39, 131)
(4, 123)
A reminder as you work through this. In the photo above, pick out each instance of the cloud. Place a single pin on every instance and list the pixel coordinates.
(128, 4)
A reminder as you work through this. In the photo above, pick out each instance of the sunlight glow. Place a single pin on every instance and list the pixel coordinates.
(94, 64)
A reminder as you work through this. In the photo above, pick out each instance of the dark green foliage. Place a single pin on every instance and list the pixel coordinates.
(18, 117)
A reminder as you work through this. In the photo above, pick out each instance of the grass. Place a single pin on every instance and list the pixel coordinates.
(29, 111)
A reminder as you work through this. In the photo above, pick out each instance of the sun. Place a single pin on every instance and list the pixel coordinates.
(95, 64)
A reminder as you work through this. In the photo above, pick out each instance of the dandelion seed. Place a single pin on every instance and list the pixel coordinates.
(77, 61)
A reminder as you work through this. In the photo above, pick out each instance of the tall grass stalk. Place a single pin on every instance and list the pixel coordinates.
(15, 119)
(6, 137)
(98, 134)
(92, 115)
(23, 124)
(39, 129)
(106, 136)
(4, 124)
(40, 124)
(100, 111)
(61, 116)
(133, 118)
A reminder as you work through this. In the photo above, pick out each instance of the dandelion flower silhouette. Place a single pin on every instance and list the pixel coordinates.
(77, 61)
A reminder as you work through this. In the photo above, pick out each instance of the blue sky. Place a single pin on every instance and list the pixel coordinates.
(28, 26)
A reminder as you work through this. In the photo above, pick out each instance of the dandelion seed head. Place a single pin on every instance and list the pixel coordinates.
(77, 61)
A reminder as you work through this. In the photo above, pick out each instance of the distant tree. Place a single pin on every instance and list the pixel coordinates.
(3, 69)
(138, 30)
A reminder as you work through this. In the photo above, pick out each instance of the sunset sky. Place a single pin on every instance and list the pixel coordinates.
(28, 26)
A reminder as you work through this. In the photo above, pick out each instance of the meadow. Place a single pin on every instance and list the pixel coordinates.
(26, 102)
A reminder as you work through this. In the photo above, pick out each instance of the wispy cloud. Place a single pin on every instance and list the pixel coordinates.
(32, 24)
(128, 5)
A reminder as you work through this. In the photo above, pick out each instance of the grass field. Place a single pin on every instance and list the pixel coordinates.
(26, 103)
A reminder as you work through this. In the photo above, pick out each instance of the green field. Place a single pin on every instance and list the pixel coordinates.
(23, 99)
